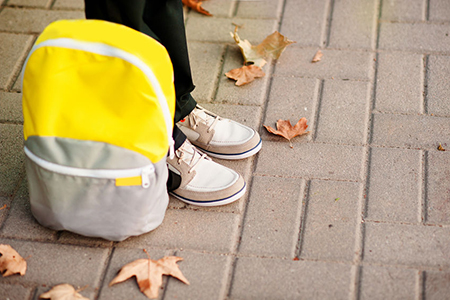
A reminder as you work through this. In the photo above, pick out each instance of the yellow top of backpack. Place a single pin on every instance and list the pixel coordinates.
(100, 81)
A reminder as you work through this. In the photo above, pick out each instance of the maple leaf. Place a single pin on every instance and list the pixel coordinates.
(11, 262)
(286, 130)
(245, 74)
(149, 273)
(317, 57)
(271, 47)
(197, 6)
(62, 292)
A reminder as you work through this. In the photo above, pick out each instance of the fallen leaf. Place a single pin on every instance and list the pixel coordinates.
(286, 130)
(63, 292)
(440, 148)
(3, 207)
(245, 74)
(11, 262)
(197, 6)
(317, 57)
(149, 273)
(249, 52)
(271, 47)
(336, 199)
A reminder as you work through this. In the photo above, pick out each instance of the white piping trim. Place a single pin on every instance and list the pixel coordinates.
(107, 50)
(94, 173)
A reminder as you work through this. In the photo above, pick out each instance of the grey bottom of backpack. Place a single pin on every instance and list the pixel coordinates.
(73, 187)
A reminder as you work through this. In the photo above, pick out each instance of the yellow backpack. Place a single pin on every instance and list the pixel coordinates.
(98, 105)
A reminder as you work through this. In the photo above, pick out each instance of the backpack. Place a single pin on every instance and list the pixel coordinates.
(98, 105)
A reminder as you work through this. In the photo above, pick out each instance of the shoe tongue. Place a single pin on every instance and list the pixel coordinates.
(190, 155)
(204, 116)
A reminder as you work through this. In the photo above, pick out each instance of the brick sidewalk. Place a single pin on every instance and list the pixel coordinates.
(358, 209)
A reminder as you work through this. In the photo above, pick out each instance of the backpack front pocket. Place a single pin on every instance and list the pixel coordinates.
(108, 203)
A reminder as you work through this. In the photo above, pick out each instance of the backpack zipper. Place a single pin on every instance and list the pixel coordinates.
(144, 172)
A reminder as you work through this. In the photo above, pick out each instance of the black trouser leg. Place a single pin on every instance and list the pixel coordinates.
(163, 21)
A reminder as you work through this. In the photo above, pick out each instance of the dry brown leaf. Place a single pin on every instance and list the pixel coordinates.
(197, 6)
(440, 148)
(149, 273)
(3, 207)
(317, 57)
(271, 47)
(245, 74)
(286, 130)
(63, 292)
(11, 262)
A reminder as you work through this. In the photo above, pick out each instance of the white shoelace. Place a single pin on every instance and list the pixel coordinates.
(196, 155)
(199, 114)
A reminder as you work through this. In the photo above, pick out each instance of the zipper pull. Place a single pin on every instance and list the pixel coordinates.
(146, 178)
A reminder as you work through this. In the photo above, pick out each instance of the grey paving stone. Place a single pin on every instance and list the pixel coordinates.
(202, 29)
(15, 292)
(332, 202)
(129, 289)
(69, 4)
(186, 229)
(310, 160)
(263, 9)
(11, 107)
(438, 189)
(403, 10)
(30, 3)
(21, 224)
(384, 282)
(395, 185)
(206, 63)
(76, 239)
(415, 36)
(12, 158)
(253, 93)
(291, 99)
(399, 84)
(207, 275)
(5, 207)
(343, 114)
(438, 88)
(334, 242)
(341, 64)
(439, 10)
(305, 21)
(259, 278)
(412, 245)
(222, 8)
(353, 24)
(437, 285)
(52, 264)
(410, 130)
(12, 49)
(272, 221)
(33, 20)
(330, 223)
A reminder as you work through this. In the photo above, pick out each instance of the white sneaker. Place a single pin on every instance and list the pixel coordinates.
(218, 137)
(204, 182)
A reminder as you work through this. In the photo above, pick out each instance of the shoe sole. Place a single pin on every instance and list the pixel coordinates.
(234, 156)
(218, 202)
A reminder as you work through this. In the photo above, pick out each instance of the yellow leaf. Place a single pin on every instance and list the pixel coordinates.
(317, 57)
(11, 262)
(197, 6)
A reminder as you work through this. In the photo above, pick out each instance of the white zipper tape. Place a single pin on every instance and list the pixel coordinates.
(107, 50)
(94, 173)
